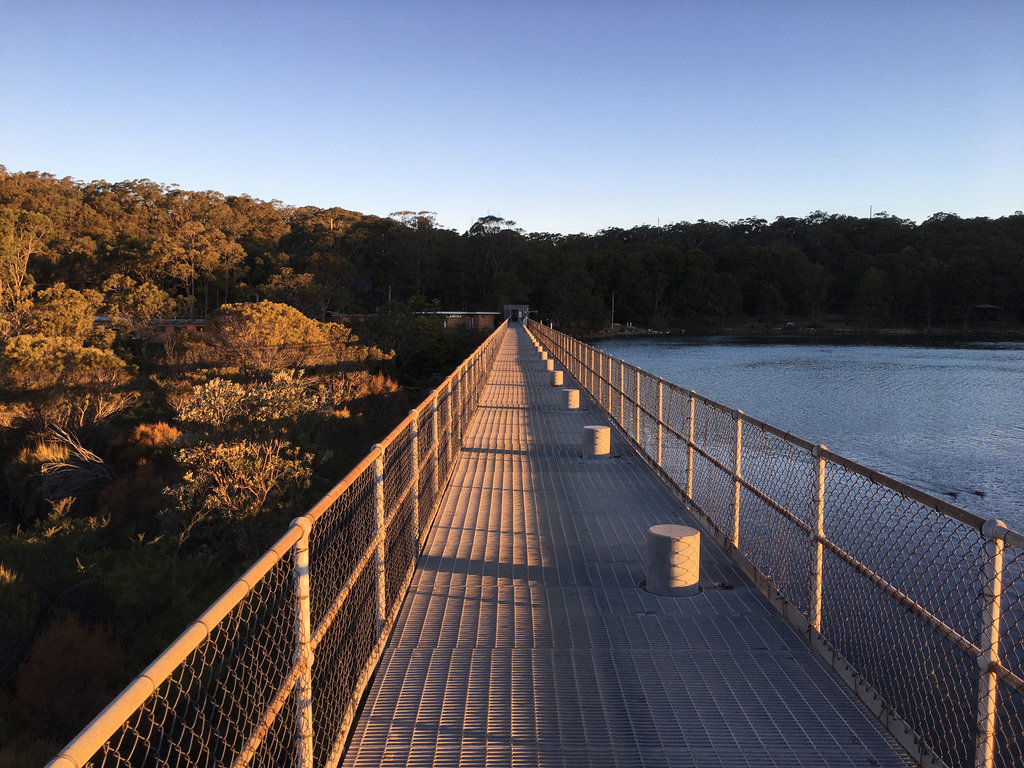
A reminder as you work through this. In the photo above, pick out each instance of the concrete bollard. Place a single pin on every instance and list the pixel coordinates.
(597, 441)
(556, 378)
(673, 560)
(543, 355)
(550, 365)
(571, 398)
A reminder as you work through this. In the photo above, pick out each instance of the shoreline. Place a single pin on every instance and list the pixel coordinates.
(820, 332)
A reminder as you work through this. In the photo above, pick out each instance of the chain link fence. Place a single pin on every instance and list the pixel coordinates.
(273, 672)
(916, 603)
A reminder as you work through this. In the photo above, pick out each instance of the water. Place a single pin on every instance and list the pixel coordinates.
(948, 420)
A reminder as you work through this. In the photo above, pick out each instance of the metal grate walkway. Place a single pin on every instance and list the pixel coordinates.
(525, 640)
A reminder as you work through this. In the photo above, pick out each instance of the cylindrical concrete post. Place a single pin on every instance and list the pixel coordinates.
(572, 398)
(597, 441)
(550, 365)
(673, 560)
(556, 378)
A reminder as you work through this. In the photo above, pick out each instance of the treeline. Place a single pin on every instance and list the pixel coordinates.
(203, 249)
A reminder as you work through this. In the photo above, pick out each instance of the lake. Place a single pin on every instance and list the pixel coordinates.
(948, 420)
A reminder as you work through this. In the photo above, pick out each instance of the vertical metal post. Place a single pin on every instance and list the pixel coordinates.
(593, 374)
(448, 429)
(303, 658)
(605, 396)
(988, 643)
(415, 481)
(817, 539)
(454, 416)
(661, 400)
(736, 485)
(457, 411)
(378, 496)
(590, 370)
(622, 394)
(436, 450)
(689, 448)
(636, 419)
(607, 384)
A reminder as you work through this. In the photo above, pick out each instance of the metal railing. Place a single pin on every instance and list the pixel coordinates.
(274, 671)
(916, 603)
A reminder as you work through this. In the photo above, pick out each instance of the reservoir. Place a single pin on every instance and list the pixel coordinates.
(948, 420)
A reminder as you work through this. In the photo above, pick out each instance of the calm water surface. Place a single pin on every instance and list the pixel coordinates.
(947, 420)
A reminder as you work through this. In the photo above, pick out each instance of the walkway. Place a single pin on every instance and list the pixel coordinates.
(524, 639)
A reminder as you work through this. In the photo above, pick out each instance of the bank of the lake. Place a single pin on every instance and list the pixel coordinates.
(948, 419)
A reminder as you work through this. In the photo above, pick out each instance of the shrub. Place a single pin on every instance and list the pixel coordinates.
(234, 481)
(71, 672)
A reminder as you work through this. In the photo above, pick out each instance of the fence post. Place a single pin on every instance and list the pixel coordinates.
(817, 539)
(736, 481)
(590, 369)
(607, 384)
(456, 412)
(303, 658)
(988, 659)
(636, 420)
(436, 451)
(378, 497)
(661, 400)
(622, 394)
(448, 429)
(689, 448)
(415, 447)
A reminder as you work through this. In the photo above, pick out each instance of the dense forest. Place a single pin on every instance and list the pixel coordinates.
(182, 372)
(203, 249)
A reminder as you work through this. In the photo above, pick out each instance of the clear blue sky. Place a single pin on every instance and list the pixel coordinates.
(564, 115)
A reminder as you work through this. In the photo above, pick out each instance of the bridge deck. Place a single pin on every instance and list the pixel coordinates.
(525, 640)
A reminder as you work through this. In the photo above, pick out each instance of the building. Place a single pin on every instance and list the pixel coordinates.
(469, 321)
(517, 312)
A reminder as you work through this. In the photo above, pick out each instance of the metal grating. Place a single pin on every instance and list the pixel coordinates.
(524, 639)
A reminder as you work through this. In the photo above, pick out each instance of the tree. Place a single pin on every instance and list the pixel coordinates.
(21, 235)
(132, 305)
(770, 304)
(874, 296)
(57, 381)
(234, 481)
(196, 255)
(499, 239)
(266, 337)
(63, 311)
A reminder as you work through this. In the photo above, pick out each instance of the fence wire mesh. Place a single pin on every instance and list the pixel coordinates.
(910, 594)
(229, 691)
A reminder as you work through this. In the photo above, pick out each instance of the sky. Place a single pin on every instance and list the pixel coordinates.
(564, 116)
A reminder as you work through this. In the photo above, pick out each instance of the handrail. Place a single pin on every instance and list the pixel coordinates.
(902, 592)
(258, 645)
